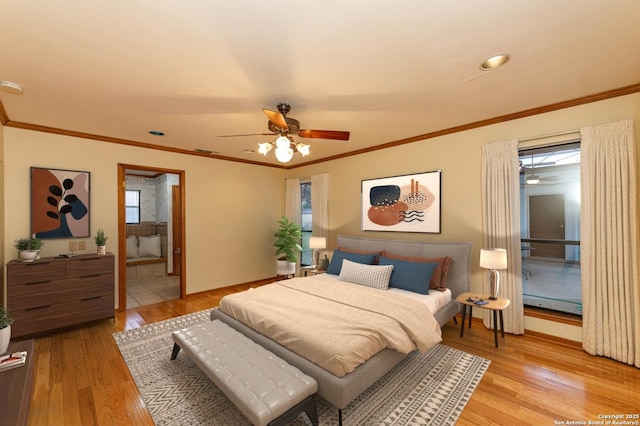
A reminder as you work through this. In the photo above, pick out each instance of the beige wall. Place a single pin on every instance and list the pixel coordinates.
(231, 217)
(231, 208)
(3, 237)
(459, 158)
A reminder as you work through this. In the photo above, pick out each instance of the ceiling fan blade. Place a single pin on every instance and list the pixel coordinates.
(325, 134)
(248, 134)
(276, 118)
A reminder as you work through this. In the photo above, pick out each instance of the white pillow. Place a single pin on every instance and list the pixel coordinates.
(149, 246)
(132, 246)
(375, 276)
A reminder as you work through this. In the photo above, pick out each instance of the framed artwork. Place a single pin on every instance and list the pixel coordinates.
(59, 203)
(408, 203)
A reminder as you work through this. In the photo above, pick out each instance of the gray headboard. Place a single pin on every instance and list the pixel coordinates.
(459, 275)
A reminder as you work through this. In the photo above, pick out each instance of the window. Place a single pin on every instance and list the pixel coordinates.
(550, 227)
(305, 199)
(132, 206)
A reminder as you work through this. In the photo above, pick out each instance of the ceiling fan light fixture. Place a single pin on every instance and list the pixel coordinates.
(303, 149)
(533, 179)
(284, 155)
(264, 148)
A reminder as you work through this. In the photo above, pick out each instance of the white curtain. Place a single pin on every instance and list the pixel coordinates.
(501, 225)
(293, 205)
(609, 242)
(320, 206)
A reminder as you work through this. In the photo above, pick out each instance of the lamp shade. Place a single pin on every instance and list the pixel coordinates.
(493, 258)
(317, 242)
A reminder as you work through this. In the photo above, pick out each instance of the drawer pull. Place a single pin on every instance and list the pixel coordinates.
(40, 263)
(90, 298)
(84, 259)
(38, 282)
(38, 307)
(89, 276)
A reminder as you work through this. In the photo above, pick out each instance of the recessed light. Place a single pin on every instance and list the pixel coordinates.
(11, 87)
(156, 133)
(495, 62)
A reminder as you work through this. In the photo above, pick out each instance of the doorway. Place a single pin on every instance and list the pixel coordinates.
(169, 227)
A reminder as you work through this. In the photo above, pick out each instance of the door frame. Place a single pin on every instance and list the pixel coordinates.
(122, 229)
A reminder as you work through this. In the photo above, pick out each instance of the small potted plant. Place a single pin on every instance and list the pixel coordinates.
(101, 241)
(5, 329)
(28, 248)
(287, 246)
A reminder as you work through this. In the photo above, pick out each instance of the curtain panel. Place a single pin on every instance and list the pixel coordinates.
(609, 242)
(501, 226)
(320, 206)
(293, 204)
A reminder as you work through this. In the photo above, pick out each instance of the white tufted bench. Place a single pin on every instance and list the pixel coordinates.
(264, 387)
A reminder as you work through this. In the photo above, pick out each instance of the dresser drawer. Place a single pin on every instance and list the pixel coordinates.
(34, 272)
(89, 266)
(45, 318)
(33, 295)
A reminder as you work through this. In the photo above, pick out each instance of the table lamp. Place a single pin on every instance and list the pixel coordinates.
(493, 259)
(317, 243)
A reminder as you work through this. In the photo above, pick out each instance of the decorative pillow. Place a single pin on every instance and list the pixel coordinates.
(375, 276)
(412, 276)
(338, 256)
(439, 278)
(132, 246)
(149, 246)
(348, 250)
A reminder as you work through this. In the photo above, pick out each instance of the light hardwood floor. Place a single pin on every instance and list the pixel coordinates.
(81, 378)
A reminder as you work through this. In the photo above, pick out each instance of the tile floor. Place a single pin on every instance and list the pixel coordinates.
(147, 291)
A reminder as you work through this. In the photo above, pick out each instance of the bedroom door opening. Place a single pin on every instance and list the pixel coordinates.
(150, 235)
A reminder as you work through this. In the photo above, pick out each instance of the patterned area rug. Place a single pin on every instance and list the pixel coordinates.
(424, 389)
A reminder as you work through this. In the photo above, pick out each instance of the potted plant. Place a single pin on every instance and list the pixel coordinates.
(5, 329)
(101, 241)
(287, 246)
(28, 248)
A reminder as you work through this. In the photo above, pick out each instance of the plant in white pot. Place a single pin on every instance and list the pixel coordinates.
(101, 241)
(5, 329)
(287, 246)
(28, 248)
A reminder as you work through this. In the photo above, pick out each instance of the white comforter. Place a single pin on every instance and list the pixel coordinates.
(334, 324)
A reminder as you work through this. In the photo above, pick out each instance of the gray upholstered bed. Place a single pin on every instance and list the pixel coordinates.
(340, 391)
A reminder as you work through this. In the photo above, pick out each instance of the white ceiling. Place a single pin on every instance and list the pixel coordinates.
(383, 70)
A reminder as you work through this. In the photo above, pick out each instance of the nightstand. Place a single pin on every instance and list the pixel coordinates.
(311, 270)
(497, 306)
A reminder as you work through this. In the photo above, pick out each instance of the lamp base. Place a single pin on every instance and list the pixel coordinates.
(493, 298)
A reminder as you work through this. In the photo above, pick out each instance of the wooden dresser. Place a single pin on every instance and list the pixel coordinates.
(50, 293)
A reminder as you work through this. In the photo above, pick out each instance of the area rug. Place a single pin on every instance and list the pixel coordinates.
(424, 389)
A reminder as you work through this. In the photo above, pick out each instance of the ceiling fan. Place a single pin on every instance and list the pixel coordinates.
(280, 124)
(532, 178)
(285, 128)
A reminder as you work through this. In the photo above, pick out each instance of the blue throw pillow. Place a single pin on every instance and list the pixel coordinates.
(338, 256)
(412, 276)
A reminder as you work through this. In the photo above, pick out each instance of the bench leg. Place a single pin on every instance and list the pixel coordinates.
(176, 349)
(308, 406)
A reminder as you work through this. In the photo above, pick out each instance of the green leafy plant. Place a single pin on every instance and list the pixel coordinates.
(287, 240)
(28, 244)
(5, 318)
(100, 238)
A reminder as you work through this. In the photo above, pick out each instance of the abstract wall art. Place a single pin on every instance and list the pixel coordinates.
(59, 203)
(408, 203)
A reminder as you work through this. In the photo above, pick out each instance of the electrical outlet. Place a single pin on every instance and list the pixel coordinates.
(73, 246)
(82, 245)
